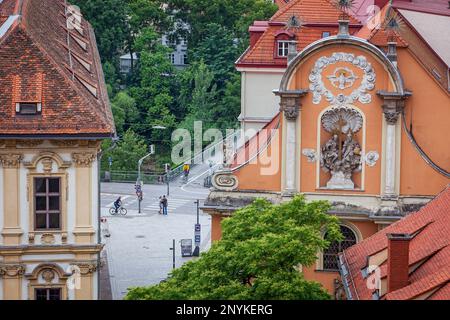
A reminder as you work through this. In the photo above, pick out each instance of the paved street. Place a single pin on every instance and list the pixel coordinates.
(138, 249)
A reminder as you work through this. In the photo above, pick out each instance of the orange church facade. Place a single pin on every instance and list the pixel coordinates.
(362, 123)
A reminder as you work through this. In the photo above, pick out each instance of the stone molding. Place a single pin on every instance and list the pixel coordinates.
(86, 267)
(225, 181)
(47, 159)
(83, 159)
(12, 270)
(393, 105)
(10, 160)
(290, 103)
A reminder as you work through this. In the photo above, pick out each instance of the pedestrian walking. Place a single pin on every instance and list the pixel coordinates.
(165, 204)
(160, 205)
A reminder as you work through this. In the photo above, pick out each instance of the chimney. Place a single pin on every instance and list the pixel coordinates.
(392, 52)
(343, 28)
(398, 261)
(292, 51)
(256, 31)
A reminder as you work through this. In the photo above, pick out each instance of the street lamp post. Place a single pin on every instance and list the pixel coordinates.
(197, 230)
(173, 253)
(139, 182)
(167, 169)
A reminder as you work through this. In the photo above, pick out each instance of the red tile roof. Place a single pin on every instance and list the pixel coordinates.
(41, 61)
(374, 32)
(320, 11)
(317, 16)
(429, 253)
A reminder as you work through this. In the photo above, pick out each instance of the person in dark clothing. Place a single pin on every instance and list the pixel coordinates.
(118, 203)
(160, 205)
(165, 204)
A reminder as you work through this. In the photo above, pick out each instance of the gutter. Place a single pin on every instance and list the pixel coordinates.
(344, 271)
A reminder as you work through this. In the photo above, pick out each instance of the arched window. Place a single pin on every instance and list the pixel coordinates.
(330, 255)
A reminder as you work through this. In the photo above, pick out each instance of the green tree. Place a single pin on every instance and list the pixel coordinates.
(154, 96)
(126, 154)
(234, 15)
(218, 50)
(258, 258)
(199, 94)
(126, 114)
(109, 20)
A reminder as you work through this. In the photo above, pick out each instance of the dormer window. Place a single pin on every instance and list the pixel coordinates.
(28, 108)
(283, 48)
(283, 40)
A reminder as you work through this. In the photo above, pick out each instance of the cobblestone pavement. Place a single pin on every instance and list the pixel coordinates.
(138, 248)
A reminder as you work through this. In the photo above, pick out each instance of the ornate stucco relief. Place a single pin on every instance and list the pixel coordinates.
(341, 154)
(225, 181)
(342, 78)
(310, 154)
(371, 158)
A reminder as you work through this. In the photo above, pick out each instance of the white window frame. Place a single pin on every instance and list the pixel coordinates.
(283, 48)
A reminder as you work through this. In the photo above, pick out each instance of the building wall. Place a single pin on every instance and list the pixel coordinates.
(32, 258)
(429, 110)
(258, 103)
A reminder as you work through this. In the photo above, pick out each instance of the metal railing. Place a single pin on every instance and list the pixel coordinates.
(207, 153)
(131, 176)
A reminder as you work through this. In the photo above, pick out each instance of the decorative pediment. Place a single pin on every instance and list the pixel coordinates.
(47, 159)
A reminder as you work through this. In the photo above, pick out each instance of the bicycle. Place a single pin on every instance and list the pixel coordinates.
(121, 210)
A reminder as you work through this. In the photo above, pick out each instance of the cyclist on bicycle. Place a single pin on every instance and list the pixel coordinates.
(118, 203)
(186, 169)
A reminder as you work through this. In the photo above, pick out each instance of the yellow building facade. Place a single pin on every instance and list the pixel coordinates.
(54, 113)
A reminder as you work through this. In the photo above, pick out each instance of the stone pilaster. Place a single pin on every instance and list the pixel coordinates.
(84, 229)
(393, 105)
(12, 230)
(290, 106)
(87, 271)
(12, 275)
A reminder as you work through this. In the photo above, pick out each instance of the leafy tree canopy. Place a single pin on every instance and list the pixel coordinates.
(258, 258)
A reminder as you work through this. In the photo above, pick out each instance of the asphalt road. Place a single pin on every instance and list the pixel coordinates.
(138, 251)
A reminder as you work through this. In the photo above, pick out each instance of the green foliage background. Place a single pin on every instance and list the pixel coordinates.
(157, 94)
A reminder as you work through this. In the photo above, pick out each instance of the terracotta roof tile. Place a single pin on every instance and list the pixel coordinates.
(39, 63)
(374, 32)
(430, 246)
(320, 11)
(318, 16)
